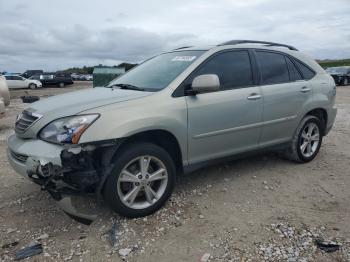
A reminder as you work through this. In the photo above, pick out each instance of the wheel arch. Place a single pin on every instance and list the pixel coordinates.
(160, 137)
(321, 114)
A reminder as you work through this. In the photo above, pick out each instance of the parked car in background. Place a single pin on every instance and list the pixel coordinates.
(340, 74)
(176, 112)
(16, 81)
(4, 95)
(89, 77)
(57, 79)
(30, 73)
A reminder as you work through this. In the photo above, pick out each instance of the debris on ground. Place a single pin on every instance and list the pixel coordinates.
(29, 251)
(29, 99)
(205, 257)
(327, 246)
(124, 252)
(112, 236)
(10, 244)
(43, 236)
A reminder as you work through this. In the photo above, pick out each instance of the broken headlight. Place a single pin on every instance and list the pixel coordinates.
(67, 130)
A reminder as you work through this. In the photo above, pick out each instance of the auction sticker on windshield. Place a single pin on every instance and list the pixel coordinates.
(184, 58)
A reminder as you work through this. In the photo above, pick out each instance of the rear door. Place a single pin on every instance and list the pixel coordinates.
(10, 82)
(18, 82)
(227, 121)
(285, 93)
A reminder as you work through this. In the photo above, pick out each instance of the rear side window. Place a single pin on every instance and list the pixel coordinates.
(273, 67)
(307, 72)
(233, 69)
(294, 74)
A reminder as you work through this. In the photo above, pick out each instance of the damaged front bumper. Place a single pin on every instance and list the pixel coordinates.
(65, 171)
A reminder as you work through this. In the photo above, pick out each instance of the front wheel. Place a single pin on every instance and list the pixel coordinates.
(61, 84)
(345, 81)
(307, 140)
(142, 180)
(32, 86)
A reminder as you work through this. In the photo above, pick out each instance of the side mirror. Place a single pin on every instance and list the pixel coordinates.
(205, 83)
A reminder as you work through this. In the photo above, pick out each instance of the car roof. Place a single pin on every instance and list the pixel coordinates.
(253, 44)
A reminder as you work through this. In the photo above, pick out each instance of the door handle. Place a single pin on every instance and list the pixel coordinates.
(254, 96)
(305, 89)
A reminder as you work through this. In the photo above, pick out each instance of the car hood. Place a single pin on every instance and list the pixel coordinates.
(78, 101)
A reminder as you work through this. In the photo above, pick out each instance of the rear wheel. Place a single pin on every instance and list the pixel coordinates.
(345, 81)
(32, 86)
(142, 180)
(307, 140)
(61, 84)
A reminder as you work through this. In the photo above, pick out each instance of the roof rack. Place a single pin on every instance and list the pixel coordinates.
(183, 47)
(236, 42)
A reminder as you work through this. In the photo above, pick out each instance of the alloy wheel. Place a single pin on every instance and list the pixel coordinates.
(142, 182)
(310, 139)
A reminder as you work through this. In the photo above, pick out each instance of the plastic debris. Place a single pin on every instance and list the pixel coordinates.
(29, 251)
(327, 246)
(29, 99)
(112, 237)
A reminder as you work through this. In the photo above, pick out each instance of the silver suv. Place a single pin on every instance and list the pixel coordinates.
(178, 111)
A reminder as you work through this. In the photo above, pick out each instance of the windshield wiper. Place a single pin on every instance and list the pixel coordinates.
(130, 87)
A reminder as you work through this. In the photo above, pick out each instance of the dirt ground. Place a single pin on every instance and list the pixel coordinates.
(261, 208)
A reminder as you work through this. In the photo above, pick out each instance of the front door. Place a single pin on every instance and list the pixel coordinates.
(228, 121)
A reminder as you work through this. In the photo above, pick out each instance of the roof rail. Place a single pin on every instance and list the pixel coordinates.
(182, 47)
(236, 42)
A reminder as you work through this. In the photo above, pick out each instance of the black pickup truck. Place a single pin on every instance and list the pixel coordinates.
(341, 74)
(58, 79)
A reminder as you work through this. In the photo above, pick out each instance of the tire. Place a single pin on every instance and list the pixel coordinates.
(295, 152)
(32, 86)
(129, 159)
(61, 84)
(345, 81)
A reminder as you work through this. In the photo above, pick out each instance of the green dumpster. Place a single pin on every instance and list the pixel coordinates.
(104, 74)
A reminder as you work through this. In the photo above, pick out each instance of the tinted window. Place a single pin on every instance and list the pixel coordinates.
(8, 77)
(16, 78)
(233, 69)
(307, 72)
(293, 71)
(273, 67)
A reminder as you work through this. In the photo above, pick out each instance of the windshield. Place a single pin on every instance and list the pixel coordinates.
(158, 72)
(339, 70)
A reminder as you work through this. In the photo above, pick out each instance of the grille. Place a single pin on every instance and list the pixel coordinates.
(19, 157)
(25, 120)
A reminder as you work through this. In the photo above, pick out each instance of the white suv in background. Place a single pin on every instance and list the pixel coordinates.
(4, 95)
(15, 81)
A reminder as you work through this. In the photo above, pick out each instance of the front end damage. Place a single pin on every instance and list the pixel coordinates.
(80, 170)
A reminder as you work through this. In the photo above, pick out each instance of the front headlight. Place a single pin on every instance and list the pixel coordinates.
(67, 130)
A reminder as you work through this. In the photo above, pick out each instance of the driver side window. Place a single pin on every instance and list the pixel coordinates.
(17, 78)
(233, 69)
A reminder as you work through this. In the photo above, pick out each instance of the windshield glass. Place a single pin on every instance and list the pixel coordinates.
(158, 72)
(339, 70)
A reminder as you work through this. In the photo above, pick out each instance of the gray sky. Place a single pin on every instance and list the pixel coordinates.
(51, 35)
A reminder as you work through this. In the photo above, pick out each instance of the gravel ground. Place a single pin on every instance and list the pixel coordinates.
(261, 208)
